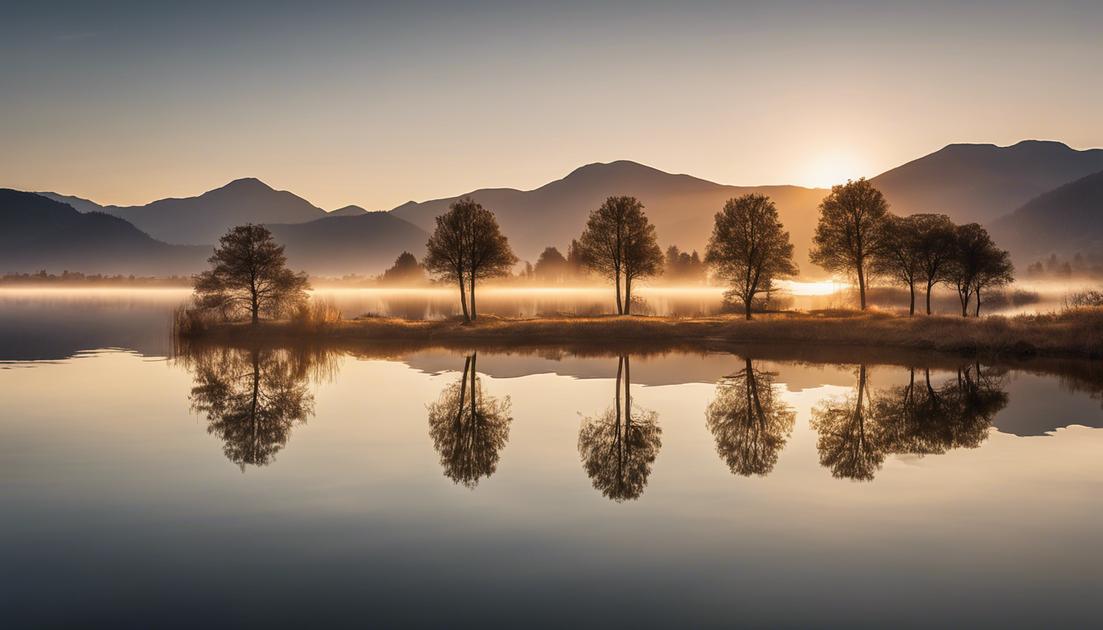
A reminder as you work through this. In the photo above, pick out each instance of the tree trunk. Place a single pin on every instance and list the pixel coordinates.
(978, 302)
(930, 285)
(463, 300)
(620, 306)
(747, 307)
(964, 299)
(862, 285)
(474, 313)
(627, 294)
(911, 307)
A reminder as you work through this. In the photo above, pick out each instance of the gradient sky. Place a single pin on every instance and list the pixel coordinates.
(346, 103)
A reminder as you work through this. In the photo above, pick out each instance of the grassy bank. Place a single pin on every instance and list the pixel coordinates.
(1076, 333)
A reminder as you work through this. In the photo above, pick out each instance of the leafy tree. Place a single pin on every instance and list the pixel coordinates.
(619, 446)
(405, 270)
(749, 423)
(934, 247)
(849, 230)
(468, 428)
(619, 242)
(249, 275)
(995, 270)
(551, 266)
(976, 264)
(897, 254)
(749, 248)
(468, 245)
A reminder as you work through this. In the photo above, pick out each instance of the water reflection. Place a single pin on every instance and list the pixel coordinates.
(469, 428)
(253, 398)
(857, 431)
(750, 424)
(619, 445)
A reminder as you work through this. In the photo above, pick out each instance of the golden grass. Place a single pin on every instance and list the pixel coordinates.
(1072, 333)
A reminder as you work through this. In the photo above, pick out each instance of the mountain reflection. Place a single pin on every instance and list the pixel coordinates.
(253, 398)
(749, 423)
(858, 431)
(469, 429)
(618, 446)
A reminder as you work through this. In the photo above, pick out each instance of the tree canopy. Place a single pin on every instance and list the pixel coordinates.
(749, 248)
(849, 229)
(249, 275)
(619, 242)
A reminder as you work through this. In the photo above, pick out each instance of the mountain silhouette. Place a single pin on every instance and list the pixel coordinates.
(348, 211)
(1065, 220)
(334, 246)
(982, 182)
(39, 233)
(202, 220)
(681, 207)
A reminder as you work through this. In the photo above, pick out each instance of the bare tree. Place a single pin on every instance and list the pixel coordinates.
(849, 229)
(995, 270)
(934, 248)
(749, 247)
(468, 245)
(619, 242)
(249, 275)
(976, 264)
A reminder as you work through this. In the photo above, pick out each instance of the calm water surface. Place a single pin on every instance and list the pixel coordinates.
(275, 487)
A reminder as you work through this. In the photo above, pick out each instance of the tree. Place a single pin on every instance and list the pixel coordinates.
(934, 245)
(619, 242)
(681, 266)
(468, 428)
(405, 270)
(749, 423)
(551, 266)
(897, 254)
(849, 229)
(995, 270)
(618, 447)
(976, 264)
(468, 245)
(749, 248)
(250, 275)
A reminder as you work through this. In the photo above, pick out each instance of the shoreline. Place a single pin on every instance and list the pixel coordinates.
(1076, 334)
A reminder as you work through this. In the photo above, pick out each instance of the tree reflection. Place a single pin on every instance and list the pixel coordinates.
(919, 418)
(253, 398)
(469, 429)
(750, 425)
(618, 446)
(848, 443)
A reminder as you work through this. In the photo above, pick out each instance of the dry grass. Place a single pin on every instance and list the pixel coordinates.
(1077, 332)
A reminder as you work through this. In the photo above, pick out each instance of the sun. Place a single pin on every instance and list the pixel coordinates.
(826, 170)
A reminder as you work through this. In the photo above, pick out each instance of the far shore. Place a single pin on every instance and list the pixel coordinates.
(1074, 333)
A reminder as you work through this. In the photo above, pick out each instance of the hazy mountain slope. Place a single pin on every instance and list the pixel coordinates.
(681, 207)
(981, 182)
(80, 204)
(334, 246)
(348, 211)
(39, 233)
(203, 219)
(1066, 220)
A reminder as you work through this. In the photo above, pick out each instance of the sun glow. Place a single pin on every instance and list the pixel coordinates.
(822, 287)
(829, 169)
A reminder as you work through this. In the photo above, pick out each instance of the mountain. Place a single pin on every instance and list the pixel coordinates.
(334, 246)
(348, 211)
(202, 220)
(981, 182)
(1065, 220)
(681, 207)
(80, 204)
(40, 233)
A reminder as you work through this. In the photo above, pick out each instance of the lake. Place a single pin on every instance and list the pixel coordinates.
(144, 483)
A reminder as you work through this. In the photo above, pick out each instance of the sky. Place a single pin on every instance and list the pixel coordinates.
(350, 103)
